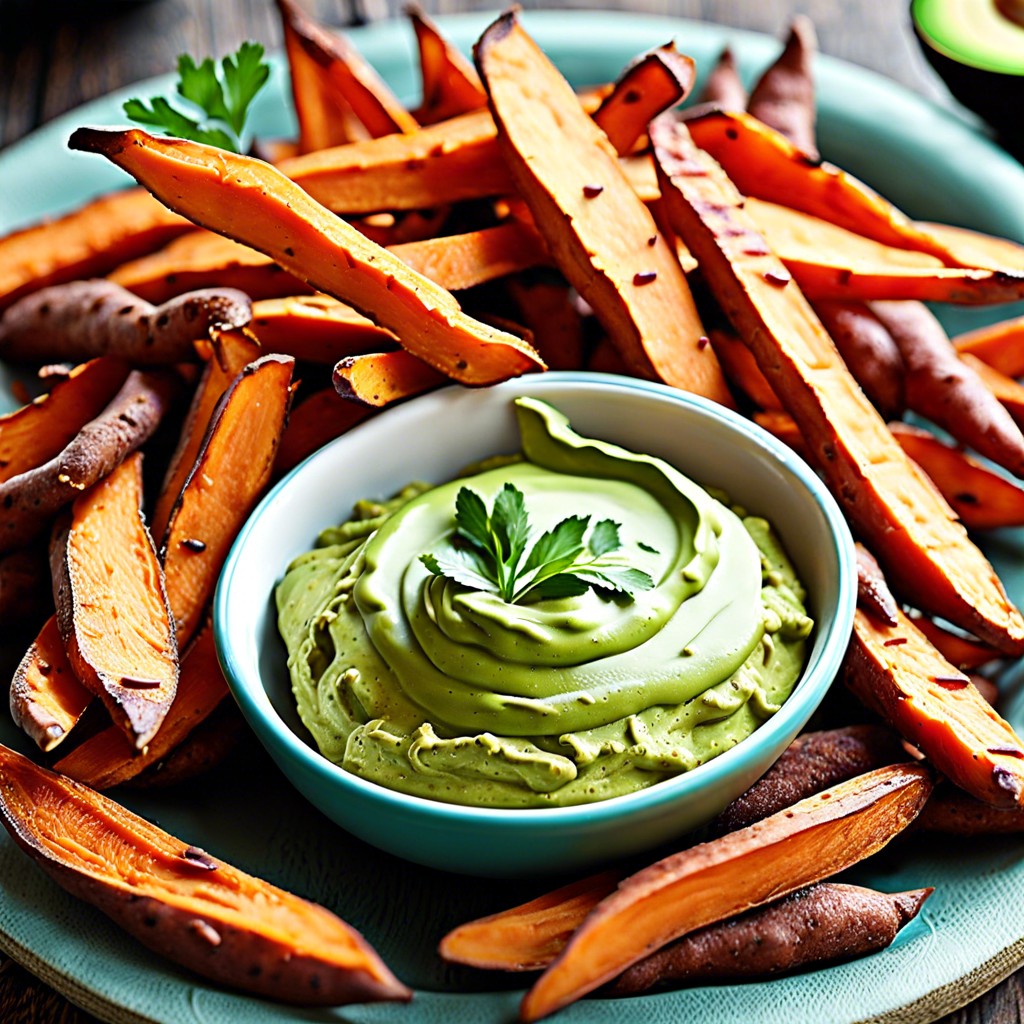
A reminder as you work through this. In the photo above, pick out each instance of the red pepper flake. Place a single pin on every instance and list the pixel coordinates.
(652, 240)
(1006, 781)
(644, 277)
(1008, 751)
(632, 96)
(895, 641)
(140, 684)
(199, 858)
(592, 191)
(966, 498)
(45, 668)
(702, 342)
(951, 682)
(192, 544)
(779, 278)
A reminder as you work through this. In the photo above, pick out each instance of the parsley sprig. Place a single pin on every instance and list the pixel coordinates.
(223, 98)
(562, 562)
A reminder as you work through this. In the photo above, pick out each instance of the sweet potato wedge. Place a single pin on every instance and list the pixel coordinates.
(252, 202)
(895, 671)
(112, 611)
(31, 498)
(599, 233)
(47, 700)
(108, 759)
(816, 926)
(449, 83)
(723, 88)
(1007, 391)
(954, 812)
(36, 432)
(84, 319)
(320, 418)
(977, 249)
(1000, 345)
(545, 306)
(810, 841)
(182, 903)
(84, 243)
(966, 654)
(742, 371)
(924, 550)
(873, 593)
(381, 378)
(231, 469)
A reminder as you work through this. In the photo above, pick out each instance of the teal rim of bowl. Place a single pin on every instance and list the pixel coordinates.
(809, 692)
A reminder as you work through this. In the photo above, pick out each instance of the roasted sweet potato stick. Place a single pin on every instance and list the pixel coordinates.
(112, 611)
(1007, 391)
(976, 249)
(107, 759)
(31, 498)
(450, 84)
(1000, 345)
(983, 499)
(84, 319)
(47, 700)
(381, 378)
(958, 650)
(783, 97)
(546, 308)
(36, 432)
(182, 903)
(873, 594)
(926, 553)
(320, 418)
(530, 936)
(723, 88)
(954, 812)
(812, 840)
(87, 242)
(742, 370)
(345, 72)
(599, 233)
(253, 203)
(895, 671)
(231, 469)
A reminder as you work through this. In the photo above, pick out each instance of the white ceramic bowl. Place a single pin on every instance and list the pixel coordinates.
(432, 438)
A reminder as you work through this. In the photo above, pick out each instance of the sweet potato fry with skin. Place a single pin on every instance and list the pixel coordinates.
(320, 418)
(873, 593)
(868, 350)
(780, 424)
(530, 936)
(926, 553)
(601, 236)
(230, 471)
(812, 840)
(36, 432)
(381, 378)
(47, 700)
(250, 201)
(345, 72)
(954, 812)
(813, 762)
(939, 385)
(1000, 345)
(723, 88)
(656, 82)
(181, 902)
(107, 758)
(816, 926)
(85, 319)
(450, 84)
(895, 671)
(87, 242)
(975, 249)
(983, 499)
(742, 370)
(546, 308)
(1007, 391)
(112, 610)
(783, 97)
(31, 498)
(966, 654)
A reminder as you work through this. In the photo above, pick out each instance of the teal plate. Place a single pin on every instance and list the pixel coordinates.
(971, 932)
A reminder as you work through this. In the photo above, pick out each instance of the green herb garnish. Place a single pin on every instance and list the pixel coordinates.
(561, 563)
(223, 98)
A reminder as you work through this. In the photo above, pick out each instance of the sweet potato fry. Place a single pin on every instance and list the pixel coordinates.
(783, 97)
(320, 418)
(954, 812)
(723, 87)
(36, 432)
(780, 424)
(546, 308)
(976, 249)
(1007, 391)
(873, 593)
(87, 242)
(983, 499)
(345, 75)
(31, 498)
(1000, 345)
(231, 469)
(958, 650)
(450, 84)
(742, 370)
(112, 610)
(814, 927)
(926, 553)
(813, 762)
(182, 903)
(812, 840)
(599, 233)
(47, 700)
(895, 671)
(939, 385)
(84, 319)
(252, 202)
(107, 758)
(381, 378)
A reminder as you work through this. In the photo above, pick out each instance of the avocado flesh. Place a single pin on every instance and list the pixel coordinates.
(983, 34)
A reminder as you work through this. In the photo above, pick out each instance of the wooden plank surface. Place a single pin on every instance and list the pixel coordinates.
(57, 55)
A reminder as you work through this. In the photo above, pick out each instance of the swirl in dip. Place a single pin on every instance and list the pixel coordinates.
(421, 684)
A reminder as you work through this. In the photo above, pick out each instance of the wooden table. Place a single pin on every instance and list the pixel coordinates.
(57, 55)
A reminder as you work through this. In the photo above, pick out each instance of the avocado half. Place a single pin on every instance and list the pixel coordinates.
(977, 47)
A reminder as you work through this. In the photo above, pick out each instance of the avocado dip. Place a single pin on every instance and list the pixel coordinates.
(414, 680)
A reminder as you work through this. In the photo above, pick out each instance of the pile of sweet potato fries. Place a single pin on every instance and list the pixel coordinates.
(708, 248)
